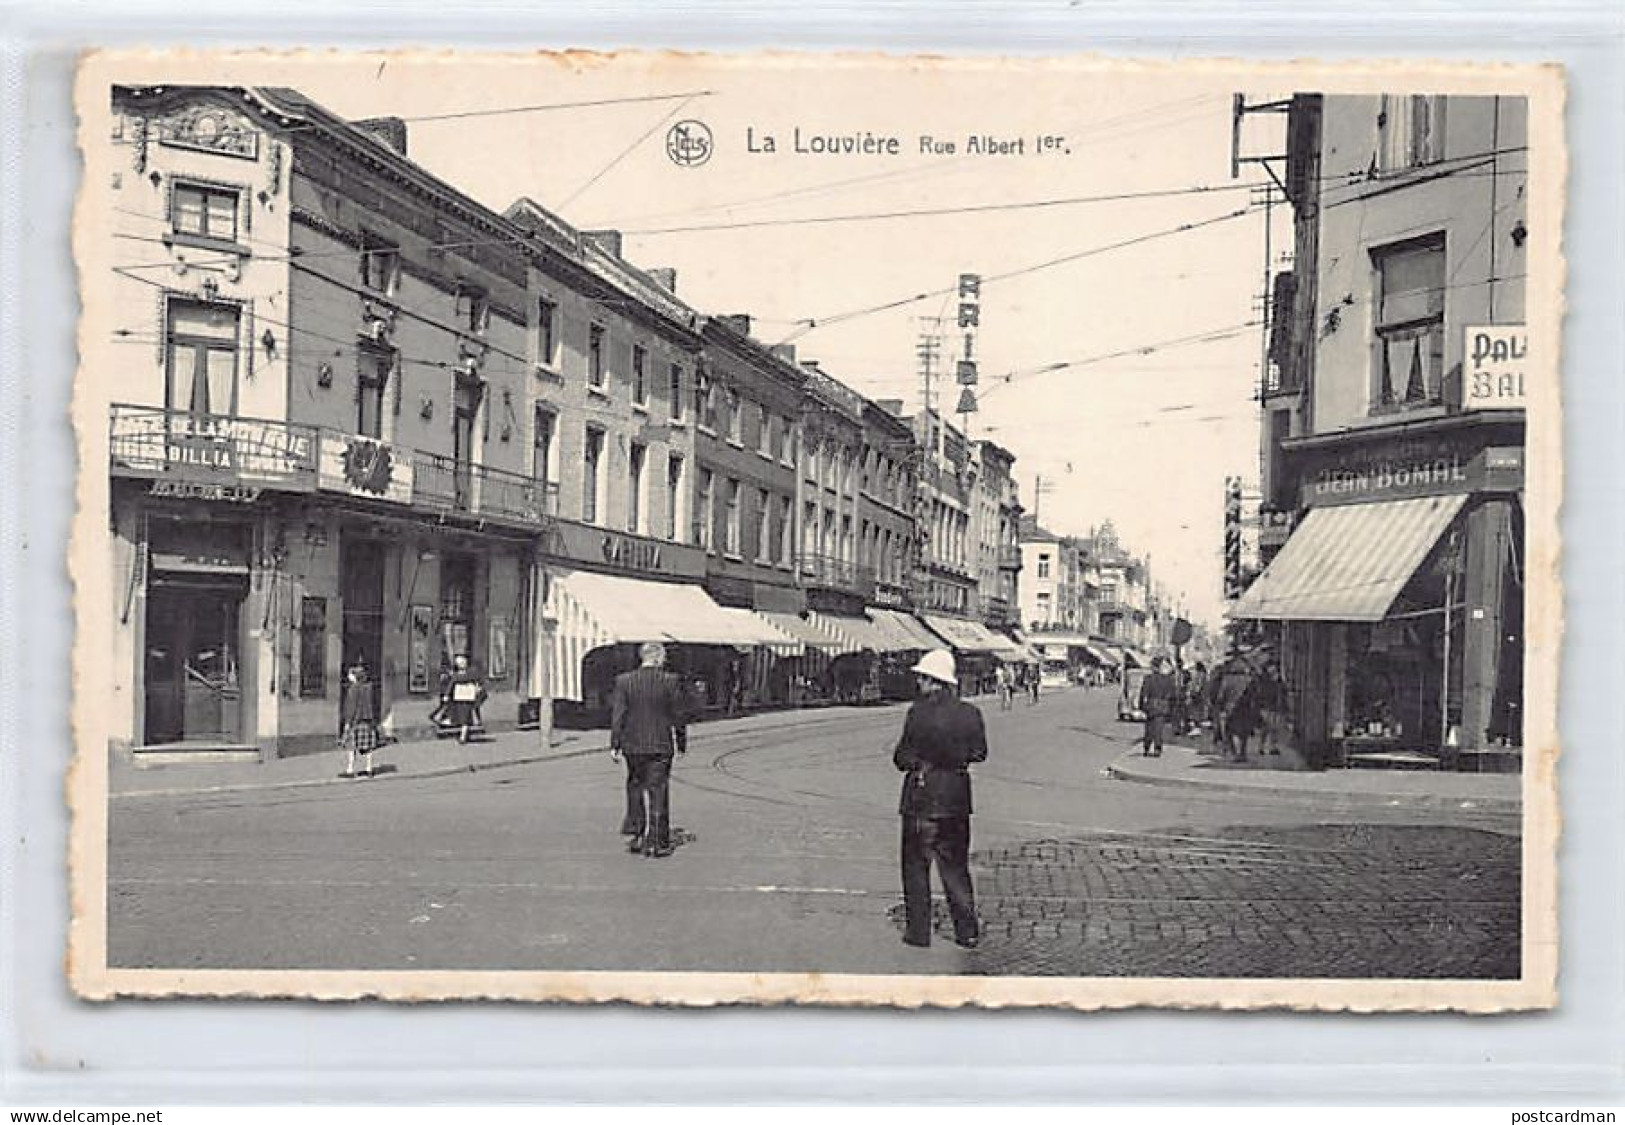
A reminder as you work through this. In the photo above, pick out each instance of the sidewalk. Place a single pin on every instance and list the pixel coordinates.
(403, 760)
(1184, 767)
(394, 762)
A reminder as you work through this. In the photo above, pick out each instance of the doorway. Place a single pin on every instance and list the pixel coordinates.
(361, 586)
(192, 688)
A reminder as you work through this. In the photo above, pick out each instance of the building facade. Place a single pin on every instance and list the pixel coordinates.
(995, 531)
(1393, 425)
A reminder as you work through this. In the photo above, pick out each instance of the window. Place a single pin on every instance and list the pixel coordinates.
(474, 310)
(640, 375)
(202, 360)
(456, 608)
(702, 516)
(541, 465)
(764, 538)
(730, 543)
(636, 456)
(1410, 131)
(204, 212)
(547, 333)
(735, 415)
(380, 265)
(312, 648)
(776, 438)
(705, 407)
(373, 376)
(1409, 362)
(764, 431)
(780, 546)
(1043, 566)
(674, 387)
(594, 454)
(595, 356)
(674, 496)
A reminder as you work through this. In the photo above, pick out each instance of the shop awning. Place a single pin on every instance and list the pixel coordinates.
(1348, 563)
(1099, 655)
(593, 610)
(803, 630)
(856, 634)
(967, 636)
(906, 627)
(784, 645)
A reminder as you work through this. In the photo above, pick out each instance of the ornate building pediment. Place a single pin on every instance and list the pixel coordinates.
(208, 128)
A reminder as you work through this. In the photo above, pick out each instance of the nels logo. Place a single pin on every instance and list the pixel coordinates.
(368, 466)
(689, 144)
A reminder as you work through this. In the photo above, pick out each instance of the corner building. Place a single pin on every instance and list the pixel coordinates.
(1393, 429)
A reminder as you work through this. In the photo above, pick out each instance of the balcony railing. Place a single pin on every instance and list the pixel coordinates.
(213, 450)
(443, 484)
(1009, 558)
(834, 573)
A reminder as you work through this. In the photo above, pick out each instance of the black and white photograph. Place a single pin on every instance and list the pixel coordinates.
(696, 529)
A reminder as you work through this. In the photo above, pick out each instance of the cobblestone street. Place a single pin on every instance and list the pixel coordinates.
(1344, 901)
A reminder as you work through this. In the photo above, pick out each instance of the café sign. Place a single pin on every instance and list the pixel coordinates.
(1494, 359)
(617, 551)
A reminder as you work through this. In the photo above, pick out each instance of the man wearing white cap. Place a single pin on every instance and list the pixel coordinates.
(942, 736)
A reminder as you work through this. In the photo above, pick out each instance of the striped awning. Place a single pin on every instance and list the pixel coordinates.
(590, 610)
(1348, 563)
(856, 634)
(785, 645)
(810, 636)
(966, 636)
(1101, 655)
(909, 633)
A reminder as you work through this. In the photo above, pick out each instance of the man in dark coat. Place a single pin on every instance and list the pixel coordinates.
(648, 725)
(942, 736)
(1157, 694)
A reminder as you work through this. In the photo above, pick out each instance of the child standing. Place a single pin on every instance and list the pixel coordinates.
(358, 715)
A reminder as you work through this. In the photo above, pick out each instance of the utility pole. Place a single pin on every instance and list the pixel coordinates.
(928, 351)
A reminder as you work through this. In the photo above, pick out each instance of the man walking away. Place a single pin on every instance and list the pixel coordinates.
(1156, 703)
(942, 736)
(1274, 708)
(648, 725)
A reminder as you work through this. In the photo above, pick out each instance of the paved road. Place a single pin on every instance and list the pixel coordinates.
(791, 865)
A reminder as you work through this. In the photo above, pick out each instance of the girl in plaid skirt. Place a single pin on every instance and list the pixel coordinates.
(359, 720)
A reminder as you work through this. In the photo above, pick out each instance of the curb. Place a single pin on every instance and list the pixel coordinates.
(312, 783)
(1118, 771)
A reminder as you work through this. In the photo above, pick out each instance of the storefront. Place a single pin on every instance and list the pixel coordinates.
(1395, 606)
(976, 648)
(603, 593)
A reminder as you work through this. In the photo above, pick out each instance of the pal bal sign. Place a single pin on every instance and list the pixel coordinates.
(1493, 364)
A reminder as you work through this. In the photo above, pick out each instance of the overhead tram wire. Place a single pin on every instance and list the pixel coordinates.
(813, 323)
(497, 111)
(622, 155)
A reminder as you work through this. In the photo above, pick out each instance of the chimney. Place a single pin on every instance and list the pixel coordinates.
(892, 406)
(665, 277)
(390, 130)
(739, 322)
(609, 241)
(812, 365)
(786, 352)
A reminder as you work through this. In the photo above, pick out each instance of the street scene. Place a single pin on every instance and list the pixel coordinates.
(790, 857)
(654, 526)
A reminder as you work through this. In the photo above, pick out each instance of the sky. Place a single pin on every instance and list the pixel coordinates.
(1138, 434)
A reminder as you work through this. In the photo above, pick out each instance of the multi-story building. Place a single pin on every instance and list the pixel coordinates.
(1393, 423)
(886, 499)
(995, 526)
(373, 421)
(748, 417)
